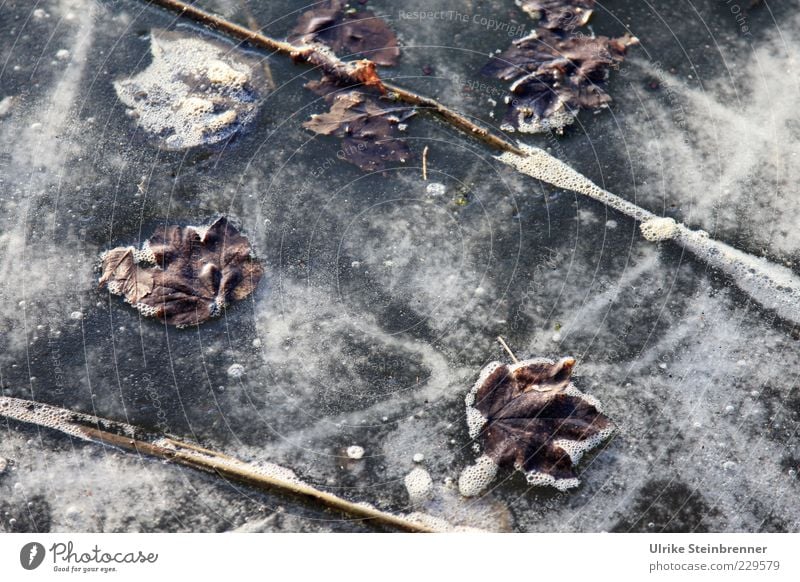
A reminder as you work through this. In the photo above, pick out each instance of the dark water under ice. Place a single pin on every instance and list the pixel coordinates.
(381, 302)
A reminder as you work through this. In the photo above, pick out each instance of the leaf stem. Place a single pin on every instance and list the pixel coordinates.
(508, 349)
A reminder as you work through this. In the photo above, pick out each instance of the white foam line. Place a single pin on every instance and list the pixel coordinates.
(772, 286)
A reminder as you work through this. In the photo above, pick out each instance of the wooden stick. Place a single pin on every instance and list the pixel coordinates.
(131, 438)
(425, 163)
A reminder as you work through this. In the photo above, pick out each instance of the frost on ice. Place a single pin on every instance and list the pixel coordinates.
(195, 92)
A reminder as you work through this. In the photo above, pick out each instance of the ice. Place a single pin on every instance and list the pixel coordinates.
(341, 348)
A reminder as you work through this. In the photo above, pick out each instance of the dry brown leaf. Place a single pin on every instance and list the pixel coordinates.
(554, 75)
(530, 417)
(369, 129)
(184, 275)
(349, 31)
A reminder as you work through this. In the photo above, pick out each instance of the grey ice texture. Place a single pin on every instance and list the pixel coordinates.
(381, 303)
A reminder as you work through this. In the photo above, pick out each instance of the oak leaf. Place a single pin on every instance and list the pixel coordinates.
(553, 75)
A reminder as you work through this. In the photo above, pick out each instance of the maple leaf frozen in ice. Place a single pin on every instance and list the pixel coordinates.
(530, 416)
(553, 75)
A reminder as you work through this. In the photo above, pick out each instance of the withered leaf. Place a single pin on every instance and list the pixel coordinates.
(531, 417)
(184, 275)
(553, 75)
(349, 31)
(559, 14)
(369, 128)
(123, 276)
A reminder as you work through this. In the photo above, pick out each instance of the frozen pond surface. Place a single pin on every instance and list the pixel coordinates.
(382, 297)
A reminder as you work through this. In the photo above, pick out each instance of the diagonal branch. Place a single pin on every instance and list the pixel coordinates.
(134, 439)
(359, 72)
(772, 285)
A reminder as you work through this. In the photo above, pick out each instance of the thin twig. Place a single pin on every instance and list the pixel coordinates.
(425, 163)
(252, 23)
(349, 72)
(132, 438)
(508, 349)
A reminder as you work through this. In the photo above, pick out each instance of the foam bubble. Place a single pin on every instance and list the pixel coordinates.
(537, 479)
(659, 229)
(277, 472)
(144, 309)
(435, 189)
(59, 419)
(475, 478)
(418, 458)
(419, 486)
(534, 124)
(195, 91)
(145, 254)
(355, 452)
(5, 105)
(576, 449)
(236, 371)
(538, 164)
(773, 286)
(475, 420)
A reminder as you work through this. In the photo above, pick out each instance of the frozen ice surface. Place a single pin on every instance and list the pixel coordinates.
(380, 302)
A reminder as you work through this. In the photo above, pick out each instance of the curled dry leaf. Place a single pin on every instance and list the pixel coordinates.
(184, 275)
(348, 31)
(559, 14)
(368, 75)
(369, 128)
(531, 417)
(554, 75)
